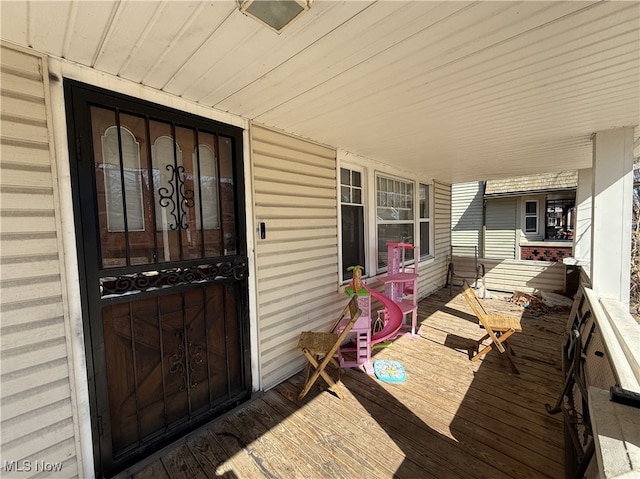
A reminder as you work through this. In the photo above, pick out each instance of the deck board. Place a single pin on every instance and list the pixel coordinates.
(452, 417)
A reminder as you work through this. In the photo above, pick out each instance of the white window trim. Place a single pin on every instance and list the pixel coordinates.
(365, 204)
(525, 216)
(414, 221)
(370, 168)
(430, 220)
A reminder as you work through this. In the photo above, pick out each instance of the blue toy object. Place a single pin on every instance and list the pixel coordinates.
(389, 370)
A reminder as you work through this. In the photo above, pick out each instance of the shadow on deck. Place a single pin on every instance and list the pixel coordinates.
(451, 418)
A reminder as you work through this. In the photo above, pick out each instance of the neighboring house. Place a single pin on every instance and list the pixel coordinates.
(528, 217)
(542, 209)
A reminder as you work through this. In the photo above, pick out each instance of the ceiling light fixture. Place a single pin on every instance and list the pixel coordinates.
(275, 14)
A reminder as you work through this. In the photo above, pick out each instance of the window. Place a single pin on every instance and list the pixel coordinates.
(117, 201)
(352, 209)
(425, 221)
(531, 217)
(165, 191)
(560, 218)
(205, 174)
(394, 214)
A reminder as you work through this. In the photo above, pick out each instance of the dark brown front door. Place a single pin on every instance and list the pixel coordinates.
(158, 197)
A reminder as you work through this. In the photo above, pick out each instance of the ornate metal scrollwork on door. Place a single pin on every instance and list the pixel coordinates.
(185, 364)
(176, 361)
(195, 360)
(177, 197)
(235, 268)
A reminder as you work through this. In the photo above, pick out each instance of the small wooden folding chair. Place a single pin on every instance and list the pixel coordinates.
(499, 328)
(320, 349)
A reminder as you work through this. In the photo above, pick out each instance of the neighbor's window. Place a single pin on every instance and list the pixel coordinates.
(531, 217)
(394, 214)
(425, 221)
(560, 218)
(352, 212)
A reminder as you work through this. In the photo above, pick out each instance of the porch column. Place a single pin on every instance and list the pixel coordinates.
(582, 230)
(611, 213)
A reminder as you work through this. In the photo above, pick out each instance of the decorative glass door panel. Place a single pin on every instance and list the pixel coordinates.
(162, 191)
(159, 199)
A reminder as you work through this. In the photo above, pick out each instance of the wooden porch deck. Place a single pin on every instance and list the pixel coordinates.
(451, 418)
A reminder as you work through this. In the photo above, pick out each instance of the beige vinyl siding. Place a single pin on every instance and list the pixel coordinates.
(36, 412)
(294, 191)
(526, 276)
(516, 275)
(433, 275)
(466, 214)
(500, 233)
(294, 185)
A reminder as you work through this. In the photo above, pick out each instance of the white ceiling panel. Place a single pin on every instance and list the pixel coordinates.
(347, 58)
(267, 59)
(231, 35)
(40, 35)
(14, 21)
(90, 24)
(126, 34)
(204, 21)
(158, 38)
(452, 90)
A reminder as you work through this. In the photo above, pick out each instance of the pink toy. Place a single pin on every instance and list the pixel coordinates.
(401, 282)
(393, 315)
(357, 352)
(400, 299)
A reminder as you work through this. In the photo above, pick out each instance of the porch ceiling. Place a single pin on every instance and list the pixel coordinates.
(452, 90)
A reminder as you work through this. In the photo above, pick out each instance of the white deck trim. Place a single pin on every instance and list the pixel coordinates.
(616, 432)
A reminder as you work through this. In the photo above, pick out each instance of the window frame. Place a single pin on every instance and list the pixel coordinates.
(378, 222)
(429, 220)
(363, 204)
(566, 227)
(530, 215)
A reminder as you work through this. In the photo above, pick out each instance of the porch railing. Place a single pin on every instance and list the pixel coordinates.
(601, 396)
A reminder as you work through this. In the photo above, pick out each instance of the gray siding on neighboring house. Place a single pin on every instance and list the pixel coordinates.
(466, 214)
(501, 223)
(294, 185)
(36, 412)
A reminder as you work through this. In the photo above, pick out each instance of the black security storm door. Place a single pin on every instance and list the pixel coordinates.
(159, 207)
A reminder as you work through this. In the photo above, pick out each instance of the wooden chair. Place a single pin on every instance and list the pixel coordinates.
(499, 328)
(320, 349)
